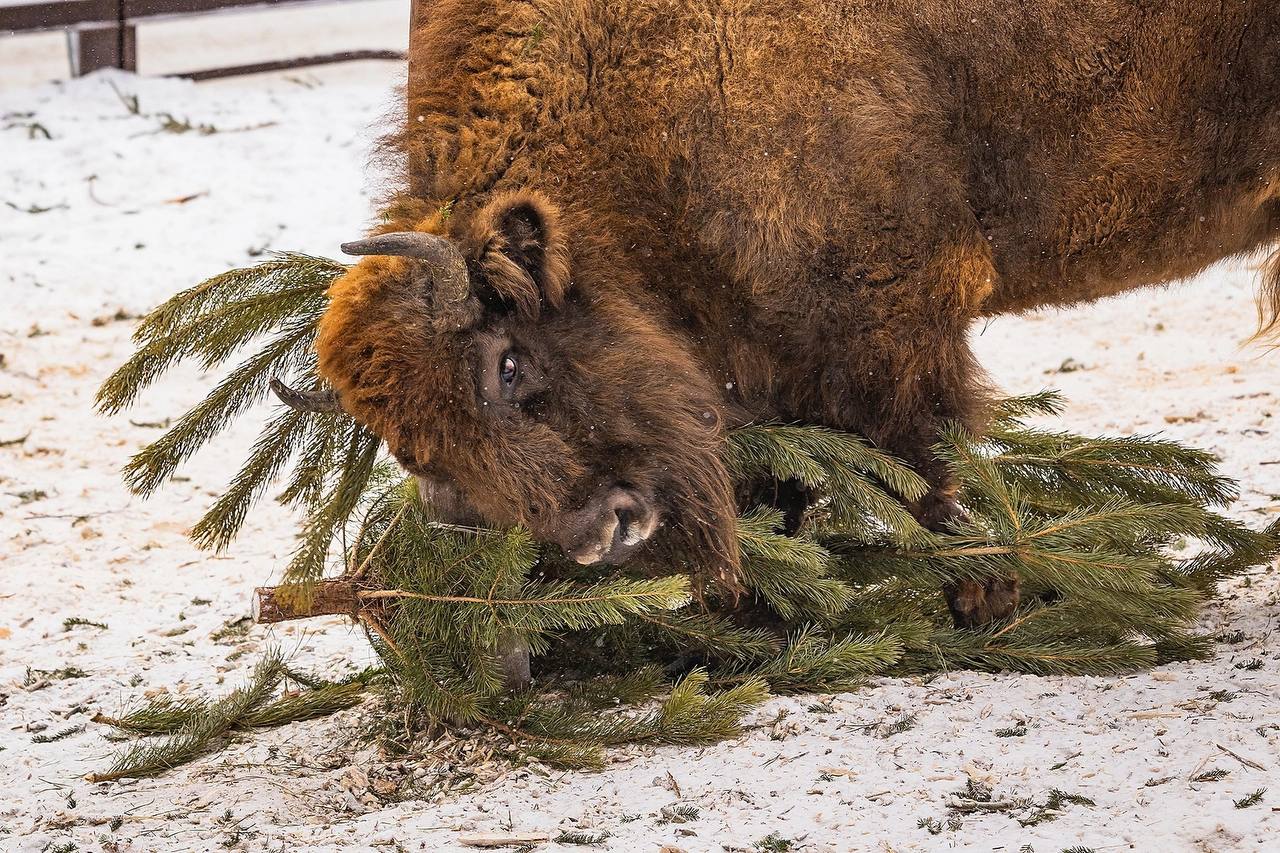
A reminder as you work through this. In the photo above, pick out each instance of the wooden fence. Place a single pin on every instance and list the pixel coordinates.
(103, 33)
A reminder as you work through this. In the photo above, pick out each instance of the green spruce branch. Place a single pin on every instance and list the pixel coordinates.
(1117, 543)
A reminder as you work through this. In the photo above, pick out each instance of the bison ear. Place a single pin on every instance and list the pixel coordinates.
(525, 261)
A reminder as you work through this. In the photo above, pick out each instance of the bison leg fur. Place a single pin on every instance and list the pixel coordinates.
(910, 372)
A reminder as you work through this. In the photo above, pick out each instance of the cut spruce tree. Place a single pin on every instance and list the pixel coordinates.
(1117, 542)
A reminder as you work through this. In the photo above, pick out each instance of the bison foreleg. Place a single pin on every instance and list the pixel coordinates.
(910, 372)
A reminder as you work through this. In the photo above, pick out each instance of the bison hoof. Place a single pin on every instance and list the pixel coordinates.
(974, 604)
(513, 661)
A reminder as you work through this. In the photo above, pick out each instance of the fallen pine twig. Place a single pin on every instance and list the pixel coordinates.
(964, 806)
(190, 726)
(1247, 762)
(517, 839)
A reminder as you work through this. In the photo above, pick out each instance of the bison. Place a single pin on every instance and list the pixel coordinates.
(621, 227)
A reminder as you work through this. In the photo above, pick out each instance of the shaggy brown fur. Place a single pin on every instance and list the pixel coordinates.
(681, 215)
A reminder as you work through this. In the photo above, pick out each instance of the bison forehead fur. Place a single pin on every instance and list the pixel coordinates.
(678, 215)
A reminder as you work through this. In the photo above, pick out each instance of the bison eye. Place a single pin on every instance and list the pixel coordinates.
(508, 371)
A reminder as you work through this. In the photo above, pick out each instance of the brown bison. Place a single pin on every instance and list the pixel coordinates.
(624, 226)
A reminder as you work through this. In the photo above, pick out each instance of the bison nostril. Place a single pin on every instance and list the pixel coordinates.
(608, 528)
(624, 523)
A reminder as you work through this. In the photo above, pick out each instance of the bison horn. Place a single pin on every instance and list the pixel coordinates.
(448, 267)
(306, 401)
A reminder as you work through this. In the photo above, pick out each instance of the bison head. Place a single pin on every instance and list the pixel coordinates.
(517, 372)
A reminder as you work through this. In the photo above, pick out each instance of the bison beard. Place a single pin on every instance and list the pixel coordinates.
(681, 220)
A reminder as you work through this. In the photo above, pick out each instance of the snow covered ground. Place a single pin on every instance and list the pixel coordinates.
(103, 213)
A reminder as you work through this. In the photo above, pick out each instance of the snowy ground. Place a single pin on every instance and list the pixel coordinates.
(112, 213)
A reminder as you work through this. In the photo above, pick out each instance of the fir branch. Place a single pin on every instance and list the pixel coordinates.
(319, 451)
(1240, 550)
(565, 735)
(1050, 658)
(1144, 469)
(567, 756)
(308, 563)
(200, 730)
(428, 684)
(282, 271)
(813, 662)
(219, 316)
(610, 691)
(168, 716)
(272, 451)
(693, 716)
(847, 469)
(790, 573)
(566, 605)
(244, 387)
(160, 716)
(713, 636)
(1012, 411)
(1250, 800)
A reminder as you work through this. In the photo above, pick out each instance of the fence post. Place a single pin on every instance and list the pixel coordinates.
(415, 20)
(112, 44)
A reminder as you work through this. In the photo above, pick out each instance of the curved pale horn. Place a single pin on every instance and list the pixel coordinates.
(448, 267)
(306, 401)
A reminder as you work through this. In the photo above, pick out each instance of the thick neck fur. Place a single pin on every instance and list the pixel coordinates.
(568, 96)
(1095, 145)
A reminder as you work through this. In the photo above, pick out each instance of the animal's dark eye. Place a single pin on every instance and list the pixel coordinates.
(508, 370)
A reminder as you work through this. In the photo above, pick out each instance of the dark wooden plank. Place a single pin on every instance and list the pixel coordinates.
(57, 15)
(62, 14)
(285, 64)
(134, 9)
